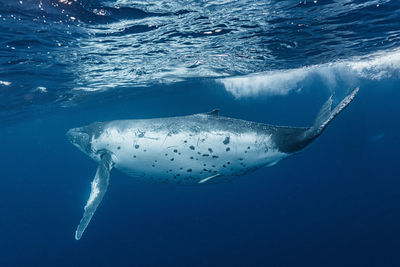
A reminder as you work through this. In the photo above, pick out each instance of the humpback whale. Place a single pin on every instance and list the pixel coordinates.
(198, 149)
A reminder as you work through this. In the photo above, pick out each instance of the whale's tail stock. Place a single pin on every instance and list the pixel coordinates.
(294, 139)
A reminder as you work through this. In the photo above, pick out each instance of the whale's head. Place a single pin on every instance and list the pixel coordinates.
(81, 138)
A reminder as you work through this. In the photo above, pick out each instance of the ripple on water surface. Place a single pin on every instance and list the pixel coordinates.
(75, 48)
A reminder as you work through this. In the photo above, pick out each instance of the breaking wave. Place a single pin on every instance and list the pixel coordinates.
(378, 66)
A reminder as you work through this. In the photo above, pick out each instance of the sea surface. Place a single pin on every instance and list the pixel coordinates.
(67, 63)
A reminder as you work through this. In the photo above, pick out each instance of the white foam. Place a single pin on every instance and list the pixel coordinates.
(5, 83)
(42, 89)
(377, 66)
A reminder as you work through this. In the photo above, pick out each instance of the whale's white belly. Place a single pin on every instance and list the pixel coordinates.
(187, 157)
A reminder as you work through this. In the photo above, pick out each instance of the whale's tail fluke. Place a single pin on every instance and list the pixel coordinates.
(326, 115)
(293, 139)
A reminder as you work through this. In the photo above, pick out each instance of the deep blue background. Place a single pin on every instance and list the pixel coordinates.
(334, 204)
(66, 65)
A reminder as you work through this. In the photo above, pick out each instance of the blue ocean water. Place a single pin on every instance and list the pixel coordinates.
(67, 63)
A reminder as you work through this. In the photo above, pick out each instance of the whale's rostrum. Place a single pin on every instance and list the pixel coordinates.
(198, 149)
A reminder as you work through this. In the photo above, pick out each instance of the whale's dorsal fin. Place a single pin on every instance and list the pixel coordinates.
(214, 112)
(98, 190)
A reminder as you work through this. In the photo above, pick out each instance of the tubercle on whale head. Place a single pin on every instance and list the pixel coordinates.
(80, 138)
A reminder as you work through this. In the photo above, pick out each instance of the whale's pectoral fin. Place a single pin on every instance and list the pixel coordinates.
(209, 178)
(98, 190)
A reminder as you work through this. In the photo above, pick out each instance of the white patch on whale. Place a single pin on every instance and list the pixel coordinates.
(94, 192)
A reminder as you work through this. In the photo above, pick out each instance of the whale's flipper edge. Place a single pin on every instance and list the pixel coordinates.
(209, 178)
(98, 190)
